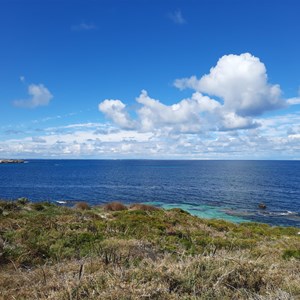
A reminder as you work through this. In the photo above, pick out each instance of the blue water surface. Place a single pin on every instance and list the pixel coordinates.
(228, 190)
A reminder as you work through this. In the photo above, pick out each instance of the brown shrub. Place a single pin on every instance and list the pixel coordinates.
(115, 206)
(82, 206)
(145, 207)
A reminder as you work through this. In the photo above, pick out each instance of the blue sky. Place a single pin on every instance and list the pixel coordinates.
(206, 79)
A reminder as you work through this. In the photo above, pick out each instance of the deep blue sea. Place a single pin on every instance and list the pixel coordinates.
(228, 190)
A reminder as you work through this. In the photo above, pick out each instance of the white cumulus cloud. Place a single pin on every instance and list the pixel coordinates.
(183, 116)
(241, 81)
(232, 121)
(40, 96)
(115, 110)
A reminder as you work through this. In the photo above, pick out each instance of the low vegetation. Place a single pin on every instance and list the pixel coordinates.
(141, 252)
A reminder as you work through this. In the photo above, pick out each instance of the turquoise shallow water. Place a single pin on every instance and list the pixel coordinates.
(202, 211)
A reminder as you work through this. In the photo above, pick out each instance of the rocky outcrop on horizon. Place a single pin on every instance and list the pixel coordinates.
(11, 161)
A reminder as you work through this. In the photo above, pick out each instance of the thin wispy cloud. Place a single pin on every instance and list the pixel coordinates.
(83, 26)
(36, 139)
(176, 17)
(279, 136)
(12, 132)
(294, 101)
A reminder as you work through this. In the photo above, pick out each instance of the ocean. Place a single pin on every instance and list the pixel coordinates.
(230, 190)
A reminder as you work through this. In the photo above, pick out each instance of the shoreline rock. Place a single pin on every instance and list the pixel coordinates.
(262, 205)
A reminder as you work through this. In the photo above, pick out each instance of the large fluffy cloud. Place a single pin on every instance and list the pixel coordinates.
(193, 114)
(40, 96)
(241, 82)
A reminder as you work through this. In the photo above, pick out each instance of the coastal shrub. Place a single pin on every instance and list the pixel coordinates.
(179, 210)
(284, 230)
(115, 206)
(74, 245)
(145, 207)
(82, 206)
(41, 206)
(9, 205)
(38, 206)
(220, 225)
(291, 253)
(59, 251)
(23, 201)
(136, 223)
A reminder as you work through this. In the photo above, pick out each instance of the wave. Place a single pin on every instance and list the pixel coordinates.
(281, 213)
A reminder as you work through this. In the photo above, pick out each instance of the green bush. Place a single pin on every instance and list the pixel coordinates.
(288, 254)
(23, 201)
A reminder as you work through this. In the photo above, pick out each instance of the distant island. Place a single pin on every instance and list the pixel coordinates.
(12, 161)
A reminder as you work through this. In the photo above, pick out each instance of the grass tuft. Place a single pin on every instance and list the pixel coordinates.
(291, 253)
(23, 201)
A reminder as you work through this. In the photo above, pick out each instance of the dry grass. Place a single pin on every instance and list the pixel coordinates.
(222, 276)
